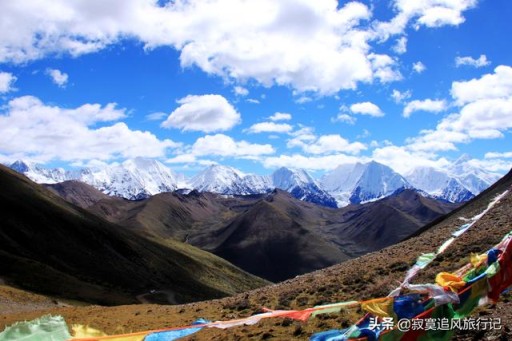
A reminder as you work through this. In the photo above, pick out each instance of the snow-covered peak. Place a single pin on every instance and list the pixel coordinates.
(428, 179)
(39, 173)
(343, 178)
(457, 182)
(286, 178)
(218, 179)
(361, 182)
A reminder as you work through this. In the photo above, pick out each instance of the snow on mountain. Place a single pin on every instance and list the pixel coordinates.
(358, 183)
(459, 182)
(302, 186)
(230, 181)
(220, 179)
(133, 179)
(38, 173)
(258, 183)
(350, 183)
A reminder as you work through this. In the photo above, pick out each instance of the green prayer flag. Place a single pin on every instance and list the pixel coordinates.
(47, 328)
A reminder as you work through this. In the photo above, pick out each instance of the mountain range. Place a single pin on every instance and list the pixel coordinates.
(346, 184)
(273, 235)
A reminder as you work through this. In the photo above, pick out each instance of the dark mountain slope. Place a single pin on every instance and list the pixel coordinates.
(78, 193)
(51, 246)
(375, 225)
(269, 234)
(265, 234)
(269, 243)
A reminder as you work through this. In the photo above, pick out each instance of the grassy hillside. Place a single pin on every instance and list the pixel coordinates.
(51, 246)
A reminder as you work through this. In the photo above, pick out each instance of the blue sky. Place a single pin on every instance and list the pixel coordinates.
(256, 84)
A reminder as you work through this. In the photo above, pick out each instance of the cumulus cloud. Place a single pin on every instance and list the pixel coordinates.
(6, 82)
(319, 46)
(419, 67)
(316, 162)
(401, 45)
(470, 61)
(58, 77)
(399, 96)
(394, 156)
(428, 13)
(207, 113)
(240, 91)
(305, 139)
(485, 108)
(327, 144)
(31, 129)
(269, 127)
(280, 116)
(384, 68)
(344, 118)
(366, 108)
(223, 145)
(428, 105)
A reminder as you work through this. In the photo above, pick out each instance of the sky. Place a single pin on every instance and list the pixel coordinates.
(256, 84)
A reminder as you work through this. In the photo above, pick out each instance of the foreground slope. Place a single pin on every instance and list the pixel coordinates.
(369, 276)
(57, 248)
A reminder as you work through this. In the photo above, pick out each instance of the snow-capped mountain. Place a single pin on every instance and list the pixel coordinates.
(302, 186)
(222, 180)
(350, 183)
(230, 181)
(133, 179)
(362, 182)
(459, 182)
(38, 173)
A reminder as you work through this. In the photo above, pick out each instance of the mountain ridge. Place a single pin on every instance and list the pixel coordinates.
(356, 183)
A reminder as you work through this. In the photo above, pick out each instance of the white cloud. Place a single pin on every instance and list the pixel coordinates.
(428, 105)
(419, 67)
(366, 108)
(207, 113)
(253, 101)
(6, 82)
(384, 68)
(399, 97)
(240, 91)
(429, 13)
(394, 156)
(321, 46)
(345, 118)
(33, 130)
(323, 162)
(470, 61)
(490, 86)
(496, 155)
(183, 158)
(269, 127)
(485, 110)
(302, 44)
(58, 77)
(401, 45)
(223, 145)
(156, 116)
(280, 116)
(328, 144)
